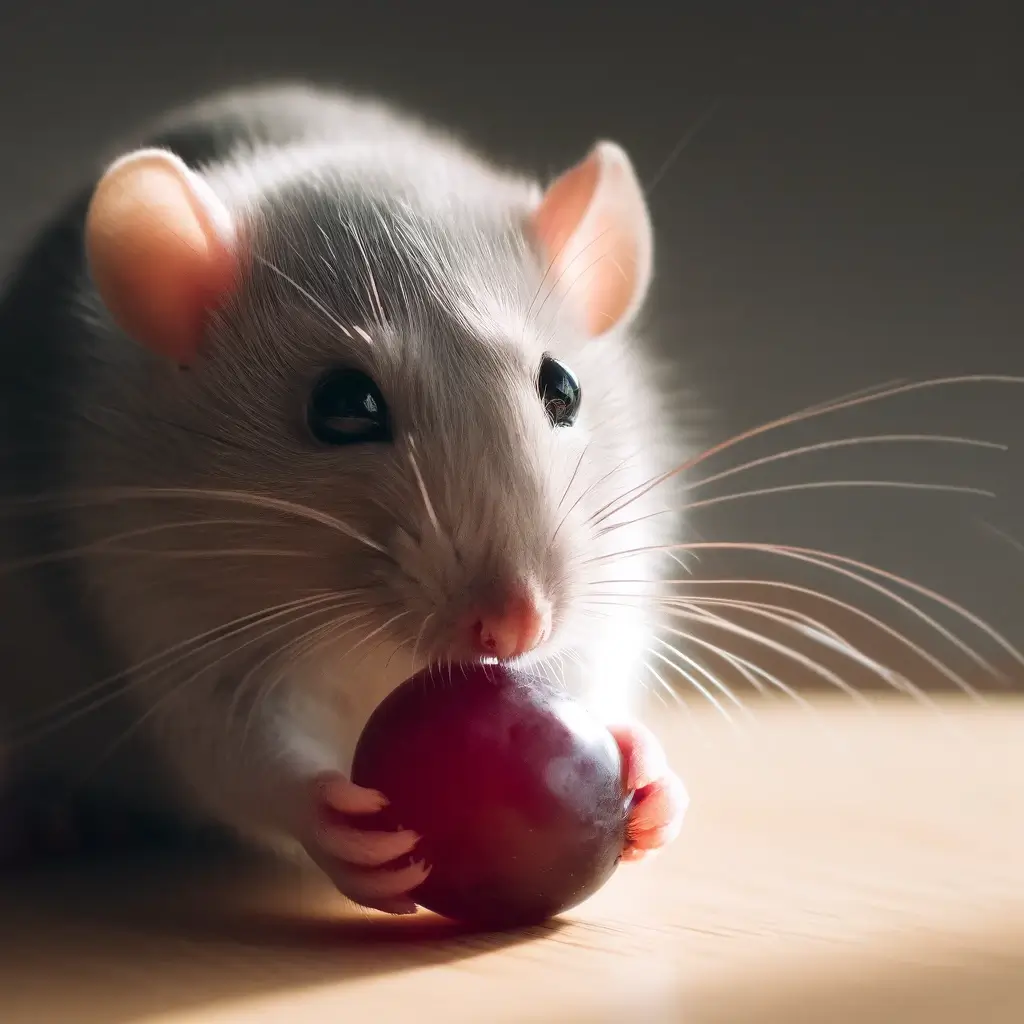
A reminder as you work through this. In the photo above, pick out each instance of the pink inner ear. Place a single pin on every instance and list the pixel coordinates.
(592, 225)
(563, 208)
(157, 253)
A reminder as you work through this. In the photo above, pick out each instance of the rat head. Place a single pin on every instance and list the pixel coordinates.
(421, 386)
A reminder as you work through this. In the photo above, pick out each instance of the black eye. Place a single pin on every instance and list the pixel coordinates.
(559, 391)
(346, 407)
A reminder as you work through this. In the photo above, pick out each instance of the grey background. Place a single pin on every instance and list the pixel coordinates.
(851, 213)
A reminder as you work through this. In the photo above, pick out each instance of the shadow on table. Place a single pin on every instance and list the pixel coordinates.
(118, 941)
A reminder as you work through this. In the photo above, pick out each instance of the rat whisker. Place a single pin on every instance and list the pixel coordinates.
(810, 627)
(185, 649)
(664, 687)
(572, 479)
(179, 688)
(787, 487)
(589, 490)
(815, 411)
(380, 629)
(847, 442)
(290, 646)
(18, 565)
(135, 680)
(99, 496)
(298, 647)
(837, 564)
(846, 606)
(824, 484)
(683, 144)
(750, 671)
(690, 678)
(709, 618)
(905, 485)
(210, 553)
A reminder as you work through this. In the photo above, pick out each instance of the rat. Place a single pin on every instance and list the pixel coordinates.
(301, 394)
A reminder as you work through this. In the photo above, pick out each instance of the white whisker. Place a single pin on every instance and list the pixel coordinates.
(826, 560)
(183, 650)
(695, 682)
(844, 443)
(826, 484)
(858, 399)
(852, 609)
(699, 615)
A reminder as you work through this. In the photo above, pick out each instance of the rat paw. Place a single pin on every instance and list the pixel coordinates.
(659, 797)
(354, 859)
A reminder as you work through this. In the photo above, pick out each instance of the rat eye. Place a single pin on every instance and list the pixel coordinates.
(559, 391)
(346, 407)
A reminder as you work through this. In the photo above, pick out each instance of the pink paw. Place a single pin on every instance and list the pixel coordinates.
(354, 858)
(660, 799)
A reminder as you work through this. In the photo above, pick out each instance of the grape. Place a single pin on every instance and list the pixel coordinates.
(517, 792)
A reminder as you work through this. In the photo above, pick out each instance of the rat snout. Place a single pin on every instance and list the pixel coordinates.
(507, 623)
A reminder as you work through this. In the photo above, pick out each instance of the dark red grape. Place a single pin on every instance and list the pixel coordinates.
(516, 791)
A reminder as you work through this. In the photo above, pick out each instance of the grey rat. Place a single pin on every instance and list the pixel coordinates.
(299, 395)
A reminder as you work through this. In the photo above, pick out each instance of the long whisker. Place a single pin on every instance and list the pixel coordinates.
(848, 403)
(94, 705)
(749, 670)
(852, 609)
(175, 691)
(813, 485)
(380, 629)
(587, 490)
(810, 627)
(816, 667)
(100, 496)
(825, 484)
(694, 682)
(102, 546)
(183, 650)
(826, 560)
(199, 553)
(815, 557)
(667, 687)
(290, 645)
(846, 442)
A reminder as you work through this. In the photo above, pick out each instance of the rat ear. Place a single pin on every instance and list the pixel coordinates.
(593, 227)
(160, 249)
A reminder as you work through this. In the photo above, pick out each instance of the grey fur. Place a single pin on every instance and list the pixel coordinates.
(377, 242)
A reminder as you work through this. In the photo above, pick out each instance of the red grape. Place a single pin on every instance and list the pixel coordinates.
(518, 794)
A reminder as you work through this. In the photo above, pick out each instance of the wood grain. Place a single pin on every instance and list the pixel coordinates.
(842, 865)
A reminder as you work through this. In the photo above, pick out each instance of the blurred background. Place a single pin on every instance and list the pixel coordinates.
(837, 200)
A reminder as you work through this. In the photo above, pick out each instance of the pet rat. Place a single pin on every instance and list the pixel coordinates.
(300, 395)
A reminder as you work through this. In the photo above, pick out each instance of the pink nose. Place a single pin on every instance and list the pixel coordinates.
(519, 625)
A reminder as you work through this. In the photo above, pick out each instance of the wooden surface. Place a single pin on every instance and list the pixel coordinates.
(842, 867)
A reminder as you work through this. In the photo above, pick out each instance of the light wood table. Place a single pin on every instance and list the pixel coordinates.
(849, 866)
